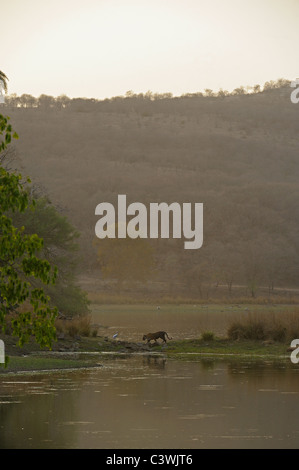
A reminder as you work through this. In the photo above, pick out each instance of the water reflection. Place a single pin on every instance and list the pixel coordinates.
(151, 402)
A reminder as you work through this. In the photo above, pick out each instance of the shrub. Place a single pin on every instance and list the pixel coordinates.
(236, 331)
(80, 325)
(254, 330)
(279, 325)
(278, 333)
(207, 336)
(73, 329)
(84, 325)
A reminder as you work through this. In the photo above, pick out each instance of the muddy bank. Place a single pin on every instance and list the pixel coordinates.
(77, 344)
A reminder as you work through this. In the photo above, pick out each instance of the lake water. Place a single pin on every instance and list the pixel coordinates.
(131, 322)
(155, 403)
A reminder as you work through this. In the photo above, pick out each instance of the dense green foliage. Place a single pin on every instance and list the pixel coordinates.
(19, 265)
(6, 129)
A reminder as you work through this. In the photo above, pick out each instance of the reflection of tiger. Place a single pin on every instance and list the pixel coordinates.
(155, 336)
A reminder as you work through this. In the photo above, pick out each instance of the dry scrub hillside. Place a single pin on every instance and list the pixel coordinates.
(236, 154)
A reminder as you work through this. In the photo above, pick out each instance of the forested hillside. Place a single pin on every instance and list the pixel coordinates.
(236, 153)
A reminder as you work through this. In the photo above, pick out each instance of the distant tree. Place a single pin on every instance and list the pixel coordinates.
(13, 100)
(162, 96)
(62, 101)
(229, 262)
(279, 83)
(129, 94)
(27, 101)
(257, 88)
(209, 92)
(239, 91)
(282, 82)
(270, 85)
(222, 93)
(198, 278)
(46, 101)
(149, 95)
(253, 259)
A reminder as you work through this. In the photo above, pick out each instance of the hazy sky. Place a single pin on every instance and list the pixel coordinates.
(103, 48)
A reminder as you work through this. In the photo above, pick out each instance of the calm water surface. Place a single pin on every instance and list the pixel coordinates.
(152, 402)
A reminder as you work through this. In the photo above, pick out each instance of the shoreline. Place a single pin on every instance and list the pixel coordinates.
(94, 352)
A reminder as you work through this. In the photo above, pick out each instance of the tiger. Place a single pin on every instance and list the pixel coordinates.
(154, 336)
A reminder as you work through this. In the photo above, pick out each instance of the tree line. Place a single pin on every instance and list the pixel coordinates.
(47, 102)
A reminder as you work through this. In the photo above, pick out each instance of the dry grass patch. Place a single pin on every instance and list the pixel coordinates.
(77, 326)
(280, 326)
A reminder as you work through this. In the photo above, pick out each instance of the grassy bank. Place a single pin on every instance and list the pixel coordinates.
(226, 347)
(33, 363)
(217, 330)
(88, 353)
